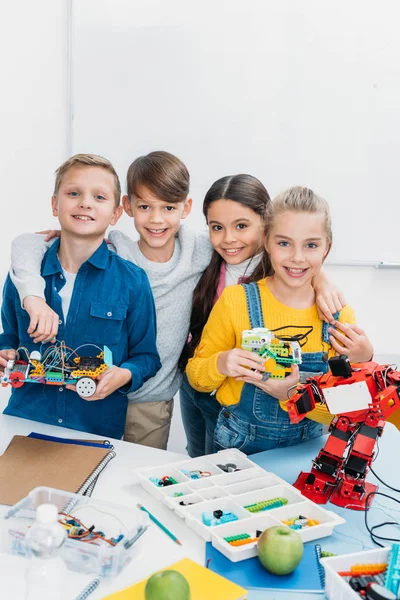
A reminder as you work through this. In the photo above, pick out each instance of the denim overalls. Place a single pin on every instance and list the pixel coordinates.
(258, 422)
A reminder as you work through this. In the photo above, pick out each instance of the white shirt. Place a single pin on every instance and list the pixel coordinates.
(66, 292)
(244, 269)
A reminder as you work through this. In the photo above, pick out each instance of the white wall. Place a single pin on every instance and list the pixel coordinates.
(374, 295)
(33, 113)
(34, 140)
(295, 93)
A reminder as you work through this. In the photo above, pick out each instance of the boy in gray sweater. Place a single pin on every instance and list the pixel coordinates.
(173, 257)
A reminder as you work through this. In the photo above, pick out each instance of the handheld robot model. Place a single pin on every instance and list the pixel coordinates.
(361, 397)
(279, 355)
(59, 365)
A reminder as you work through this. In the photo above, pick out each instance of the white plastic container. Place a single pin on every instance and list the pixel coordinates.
(232, 492)
(260, 523)
(336, 588)
(113, 520)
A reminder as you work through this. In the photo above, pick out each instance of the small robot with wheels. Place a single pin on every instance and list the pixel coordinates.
(59, 365)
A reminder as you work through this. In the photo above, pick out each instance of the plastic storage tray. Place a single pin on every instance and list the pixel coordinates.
(336, 588)
(102, 559)
(232, 492)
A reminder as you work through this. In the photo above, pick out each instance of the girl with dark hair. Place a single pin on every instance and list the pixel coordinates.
(235, 208)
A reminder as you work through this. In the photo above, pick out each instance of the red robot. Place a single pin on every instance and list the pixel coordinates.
(339, 471)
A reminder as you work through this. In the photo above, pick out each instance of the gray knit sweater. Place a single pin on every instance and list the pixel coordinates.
(172, 284)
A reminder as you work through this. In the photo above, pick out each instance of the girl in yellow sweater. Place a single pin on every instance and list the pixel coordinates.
(252, 418)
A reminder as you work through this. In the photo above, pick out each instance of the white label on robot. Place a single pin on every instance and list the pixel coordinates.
(346, 398)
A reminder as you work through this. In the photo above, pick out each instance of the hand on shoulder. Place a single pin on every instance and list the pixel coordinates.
(351, 340)
(328, 297)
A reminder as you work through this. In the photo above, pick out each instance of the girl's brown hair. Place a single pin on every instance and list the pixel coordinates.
(250, 192)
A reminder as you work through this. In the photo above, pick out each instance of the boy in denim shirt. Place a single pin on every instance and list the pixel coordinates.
(172, 255)
(104, 299)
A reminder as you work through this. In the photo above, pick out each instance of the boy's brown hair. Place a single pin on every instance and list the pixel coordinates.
(160, 172)
(88, 160)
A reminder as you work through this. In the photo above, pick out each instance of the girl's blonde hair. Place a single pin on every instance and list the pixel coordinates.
(299, 199)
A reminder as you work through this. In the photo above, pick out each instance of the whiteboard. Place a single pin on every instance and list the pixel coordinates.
(295, 93)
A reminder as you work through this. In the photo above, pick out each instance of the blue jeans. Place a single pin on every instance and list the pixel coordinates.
(258, 423)
(199, 415)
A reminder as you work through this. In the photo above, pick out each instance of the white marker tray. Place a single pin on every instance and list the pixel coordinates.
(232, 492)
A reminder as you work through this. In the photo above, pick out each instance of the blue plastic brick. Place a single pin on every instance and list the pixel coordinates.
(392, 579)
(209, 519)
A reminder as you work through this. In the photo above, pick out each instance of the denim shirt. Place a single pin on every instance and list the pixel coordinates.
(111, 305)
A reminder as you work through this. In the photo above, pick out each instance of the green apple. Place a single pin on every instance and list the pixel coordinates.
(280, 550)
(167, 585)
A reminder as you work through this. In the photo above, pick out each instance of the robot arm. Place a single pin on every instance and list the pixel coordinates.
(302, 402)
(307, 396)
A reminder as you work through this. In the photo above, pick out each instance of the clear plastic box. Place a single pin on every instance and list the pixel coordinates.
(103, 559)
(232, 492)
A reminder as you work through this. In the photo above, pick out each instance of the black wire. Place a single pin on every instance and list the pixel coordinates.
(377, 453)
(301, 338)
(384, 483)
(374, 537)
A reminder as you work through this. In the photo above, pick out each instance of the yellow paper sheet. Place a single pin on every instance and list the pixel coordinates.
(204, 584)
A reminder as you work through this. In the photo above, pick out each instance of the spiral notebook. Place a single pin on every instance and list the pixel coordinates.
(30, 462)
(307, 577)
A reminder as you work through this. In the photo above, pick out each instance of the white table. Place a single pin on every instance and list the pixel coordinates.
(155, 550)
(116, 484)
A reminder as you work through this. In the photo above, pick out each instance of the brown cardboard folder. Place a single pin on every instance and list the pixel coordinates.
(28, 463)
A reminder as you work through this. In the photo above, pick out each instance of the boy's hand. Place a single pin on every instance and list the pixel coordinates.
(5, 356)
(43, 326)
(353, 342)
(328, 297)
(278, 388)
(50, 234)
(108, 382)
(233, 363)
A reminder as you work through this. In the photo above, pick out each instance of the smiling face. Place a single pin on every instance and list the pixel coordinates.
(236, 231)
(156, 222)
(297, 244)
(85, 202)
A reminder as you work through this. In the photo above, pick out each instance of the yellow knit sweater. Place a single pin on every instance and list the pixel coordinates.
(223, 331)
